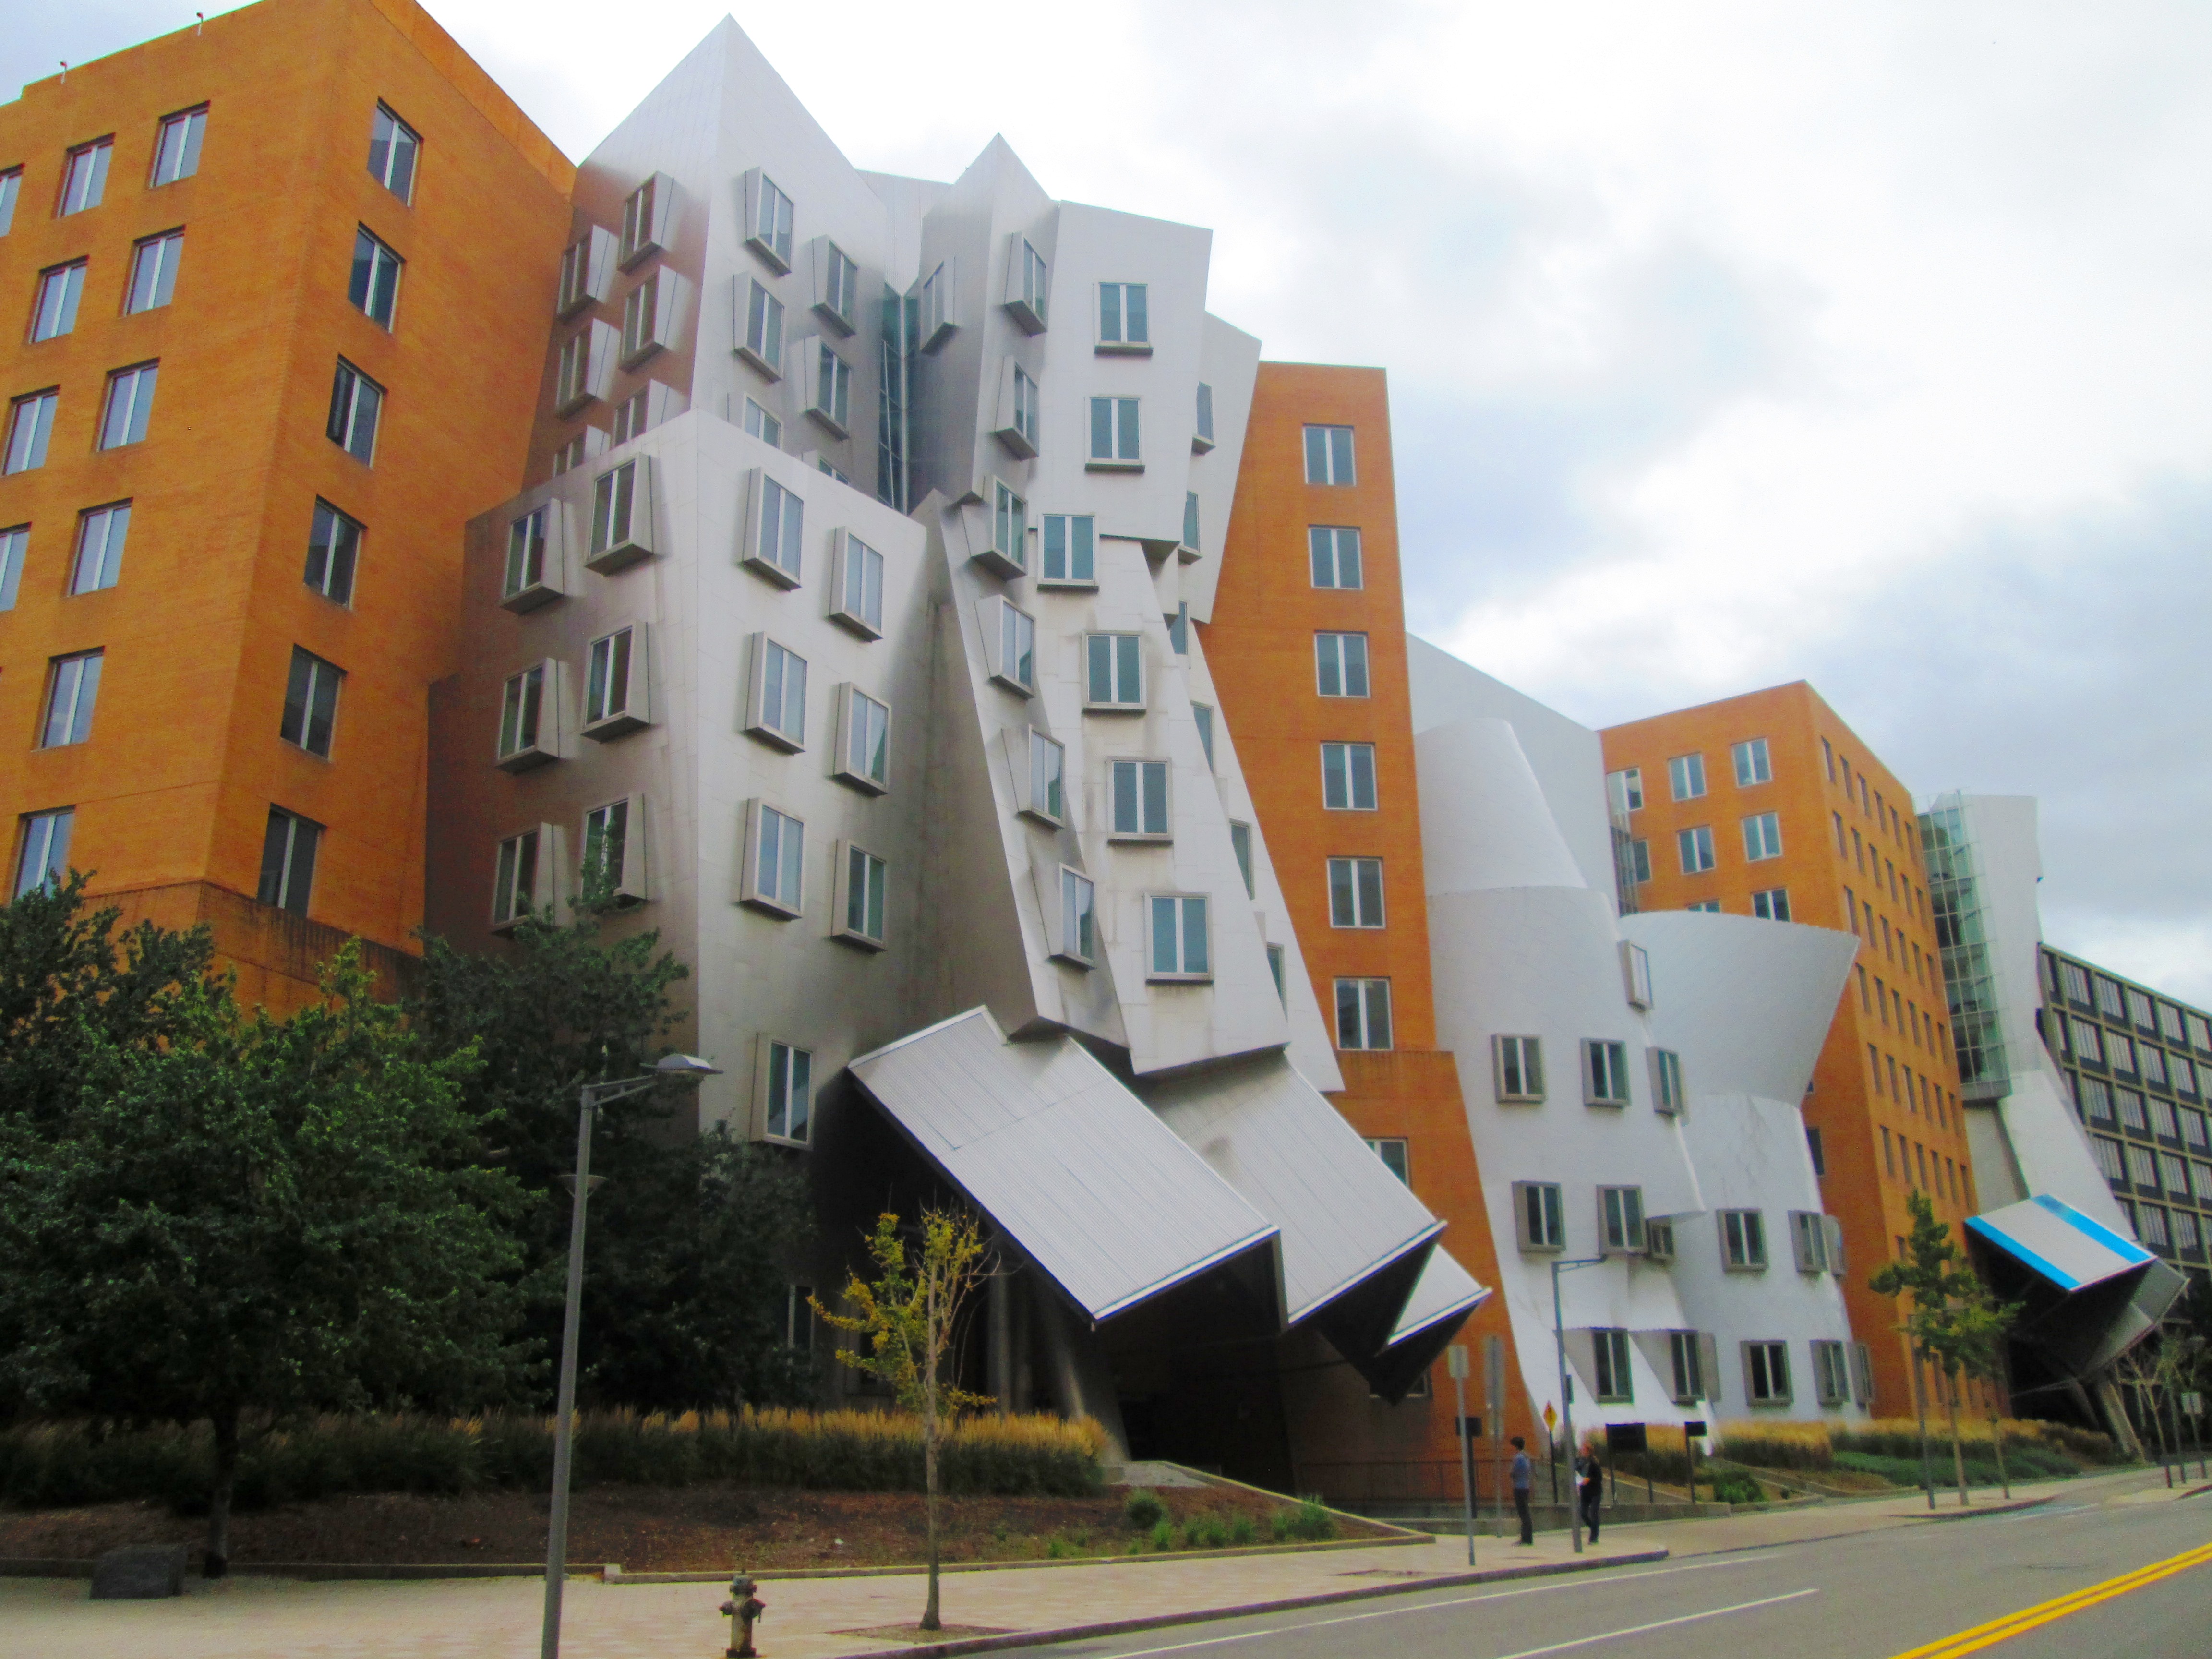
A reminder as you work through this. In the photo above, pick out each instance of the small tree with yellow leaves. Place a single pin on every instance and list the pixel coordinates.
(907, 1315)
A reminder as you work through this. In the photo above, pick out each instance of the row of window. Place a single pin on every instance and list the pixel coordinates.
(2126, 1003)
(151, 283)
(2096, 1101)
(1870, 801)
(1926, 1168)
(1881, 870)
(126, 408)
(1841, 1372)
(310, 710)
(1623, 1229)
(2091, 1044)
(1518, 1071)
(289, 849)
(1686, 775)
(333, 547)
(1694, 847)
(1895, 1010)
(2169, 1232)
(2125, 1163)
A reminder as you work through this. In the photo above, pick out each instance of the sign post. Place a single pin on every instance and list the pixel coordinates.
(1493, 1389)
(1693, 1432)
(1456, 1362)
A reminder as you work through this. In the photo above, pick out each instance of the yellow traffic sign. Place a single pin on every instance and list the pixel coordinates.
(1550, 1416)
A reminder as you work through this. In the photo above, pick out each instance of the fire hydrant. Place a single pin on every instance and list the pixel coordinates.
(742, 1609)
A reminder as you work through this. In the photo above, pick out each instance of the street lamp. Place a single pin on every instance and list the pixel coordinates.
(669, 1068)
(1566, 1399)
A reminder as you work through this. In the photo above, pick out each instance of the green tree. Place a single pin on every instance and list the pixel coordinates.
(684, 1291)
(1953, 1324)
(907, 1314)
(251, 1216)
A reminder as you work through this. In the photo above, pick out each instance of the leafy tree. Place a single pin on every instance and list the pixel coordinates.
(907, 1317)
(248, 1216)
(683, 1289)
(1953, 1324)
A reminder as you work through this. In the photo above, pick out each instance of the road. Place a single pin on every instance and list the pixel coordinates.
(1873, 1595)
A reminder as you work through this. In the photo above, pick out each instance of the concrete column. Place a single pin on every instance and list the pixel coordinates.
(1081, 1384)
(1002, 1340)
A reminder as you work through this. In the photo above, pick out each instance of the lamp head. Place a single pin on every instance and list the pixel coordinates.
(684, 1065)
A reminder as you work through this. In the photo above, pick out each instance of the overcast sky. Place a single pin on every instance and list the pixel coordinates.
(1729, 345)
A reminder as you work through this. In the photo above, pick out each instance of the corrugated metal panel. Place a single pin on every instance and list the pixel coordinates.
(2058, 1241)
(1093, 1188)
(1270, 1135)
(1445, 1289)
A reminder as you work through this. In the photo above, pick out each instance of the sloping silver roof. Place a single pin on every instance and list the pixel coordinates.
(1445, 1289)
(1091, 1186)
(2066, 1247)
(1270, 1135)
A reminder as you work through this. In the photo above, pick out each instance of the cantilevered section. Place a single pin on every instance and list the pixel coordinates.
(2087, 1293)
(2059, 1242)
(1095, 1190)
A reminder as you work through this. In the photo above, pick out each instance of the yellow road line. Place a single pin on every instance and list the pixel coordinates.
(2043, 1613)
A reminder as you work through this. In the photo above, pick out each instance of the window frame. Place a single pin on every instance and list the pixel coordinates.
(1075, 935)
(1131, 329)
(1329, 453)
(1184, 972)
(1762, 838)
(1144, 771)
(1347, 778)
(98, 154)
(1668, 1097)
(775, 541)
(1123, 434)
(772, 726)
(1753, 762)
(1620, 1220)
(762, 817)
(1122, 658)
(42, 854)
(138, 382)
(798, 1081)
(1028, 285)
(291, 847)
(166, 249)
(105, 570)
(1540, 1217)
(1363, 879)
(192, 123)
(630, 642)
(536, 735)
(1516, 1067)
(520, 875)
(760, 327)
(1696, 840)
(1331, 642)
(856, 861)
(317, 705)
(1764, 1357)
(373, 290)
(343, 427)
(1074, 546)
(1332, 563)
(412, 171)
(771, 220)
(1745, 1252)
(31, 416)
(1009, 644)
(857, 725)
(623, 514)
(61, 291)
(1365, 992)
(74, 677)
(1685, 776)
(1605, 1063)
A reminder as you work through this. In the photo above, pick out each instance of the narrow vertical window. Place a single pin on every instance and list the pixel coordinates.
(1340, 665)
(72, 688)
(1334, 549)
(1070, 548)
(790, 1092)
(1329, 455)
(288, 861)
(84, 176)
(608, 870)
(130, 405)
(15, 548)
(772, 222)
(610, 696)
(515, 879)
(1347, 777)
(778, 698)
(373, 288)
(864, 749)
(521, 716)
(393, 149)
(1240, 842)
(1355, 892)
(333, 549)
(154, 271)
(30, 424)
(1114, 433)
(177, 151)
(864, 877)
(43, 859)
(1048, 778)
(775, 866)
(11, 186)
(1363, 1013)
(1180, 943)
(311, 703)
(100, 537)
(763, 332)
(1078, 901)
(1124, 317)
(857, 583)
(54, 311)
(356, 405)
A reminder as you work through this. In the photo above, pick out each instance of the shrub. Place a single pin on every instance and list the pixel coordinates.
(1242, 1530)
(1163, 1536)
(1206, 1532)
(1777, 1445)
(1144, 1511)
(1735, 1486)
(1309, 1522)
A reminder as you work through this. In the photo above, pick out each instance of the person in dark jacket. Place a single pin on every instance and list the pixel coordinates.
(1524, 1481)
(1592, 1477)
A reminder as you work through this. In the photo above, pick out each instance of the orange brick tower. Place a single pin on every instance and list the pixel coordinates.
(284, 282)
(1767, 804)
(1308, 653)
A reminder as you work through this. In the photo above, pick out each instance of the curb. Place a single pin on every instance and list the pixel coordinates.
(1286, 1604)
(771, 1575)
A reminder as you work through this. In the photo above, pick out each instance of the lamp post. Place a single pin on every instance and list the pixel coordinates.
(1566, 1400)
(667, 1069)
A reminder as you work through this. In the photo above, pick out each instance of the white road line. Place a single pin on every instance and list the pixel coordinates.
(1664, 1624)
(1575, 1581)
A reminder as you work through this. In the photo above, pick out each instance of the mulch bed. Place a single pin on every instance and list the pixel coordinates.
(706, 1528)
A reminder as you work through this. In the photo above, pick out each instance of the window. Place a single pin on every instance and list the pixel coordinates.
(1605, 1072)
(1335, 553)
(936, 308)
(1773, 904)
(2076, 980)
(614, 853)
(1115, 671)
(1635, 974)
(1124, 322)
(1542, 1218)
(2161, 1119)
(2096, 1100)
(2139, 1009)
(1027, 286)
(1340, 665)
(1667, 1082)
(775, 533)
(646, 213)
(1621, 1220)
(515, 879)
(1519, 1064)
(130, 405)
(1202, 715)
(1179, 944)
(856, 585)
(42, 858)
(1752, 765)
(1695, 848)
(100, 537)
(2108, 998)
(775, 703)
(1743, 1241)
(768, 230)
(2169, 1021)
(2131, 1110)
(1610, 1382)
(154, 271)
(311, 703)
(1178, 624)
(1202, 436)
(1078, 919)
(30, 423)
(1114, 438)
(799, 1319)
(1010, 645)
(1392, 1152)
(830, 389)
(1706, 907)
(1689, 1352)
(2192, 1129)
(858, 901)
(790, 1092)
(1190, 527)
(585, 272)
(1347, 777)
(1139, 796)
(1810, 1236)
(1624, 789)
(1831, 1376)
(1658, 1240)
(2173, 1174)
(1363, 1013)
(375, 289)
(84, 176)
(2151, 1219)
(1069, 545)
(614, 684)
(2151, 1062)
(524, 586)
(864, 727)
(288, 861)
(72, 688)
(2141, 1166)
(16, 544)
(775, 859)
(572, 454)
(1041, 766)
(2200, 1032)
(1766, 1373)
(1355, 892)
(1762, 836)
(2088, 1041)
(2186, 1233)
(1008, 551)
(1685, 776)
(11, 186)
(1639, 855)
(763, 334)
(1240, 842)
(54, 313)
(525, 731)
(1329, 455)
(393, 147)
(357, 403)
(333, 549)
(1275, 967)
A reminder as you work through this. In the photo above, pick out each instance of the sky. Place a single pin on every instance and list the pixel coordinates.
(1729, 343)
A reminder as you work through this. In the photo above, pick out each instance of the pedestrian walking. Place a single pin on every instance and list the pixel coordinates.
(1524, 1481)
(1592, 1477)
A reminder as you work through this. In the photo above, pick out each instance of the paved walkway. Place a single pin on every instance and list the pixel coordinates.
(250, 1618)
